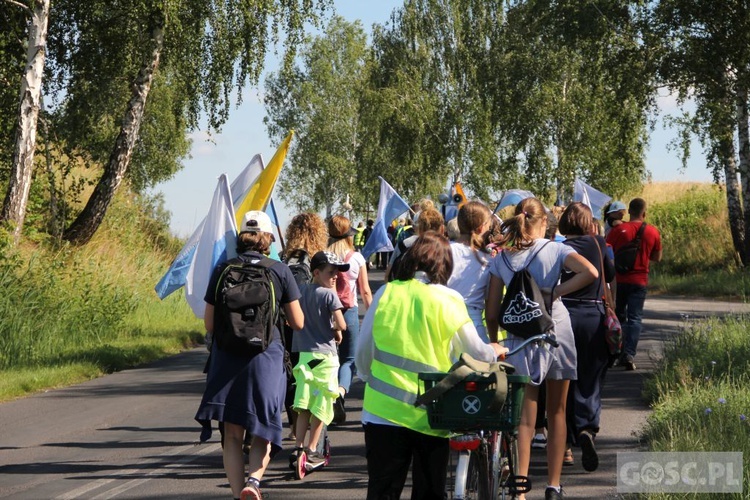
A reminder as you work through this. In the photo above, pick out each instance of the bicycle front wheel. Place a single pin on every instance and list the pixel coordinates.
(478, 474)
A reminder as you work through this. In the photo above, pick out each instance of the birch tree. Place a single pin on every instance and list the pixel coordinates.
(703, 54)
(14, 206)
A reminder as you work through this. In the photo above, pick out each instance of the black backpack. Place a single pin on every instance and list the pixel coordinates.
(299, 263)
(626, 255)
(246, 309)
(402, 248)
(524, 311)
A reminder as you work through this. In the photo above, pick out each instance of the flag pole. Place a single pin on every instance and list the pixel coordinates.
(278, 225)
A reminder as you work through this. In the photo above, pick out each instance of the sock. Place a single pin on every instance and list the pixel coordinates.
(556, 488)
(256, 482)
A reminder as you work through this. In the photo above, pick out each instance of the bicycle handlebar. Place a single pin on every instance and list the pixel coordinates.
(543, 337)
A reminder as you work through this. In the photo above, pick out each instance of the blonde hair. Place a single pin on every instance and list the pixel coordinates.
(429, 220)
(451, 229)
(337, 243)
(306, 231)
(519, 230)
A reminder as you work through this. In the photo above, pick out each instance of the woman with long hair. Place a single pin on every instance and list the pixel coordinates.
(415, 324)
(587, 319)
(245, 390)
(341, 243)
(525, 246)
(471, 270)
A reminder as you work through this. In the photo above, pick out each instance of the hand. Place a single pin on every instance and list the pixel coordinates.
(209, 341)
(338, 336)
(500, 351)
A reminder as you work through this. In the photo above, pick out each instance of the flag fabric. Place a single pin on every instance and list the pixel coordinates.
(217, 244)
(390, 206)
(259, 193)
(590, 197)
(457, 200)
(512, 197)
(174, 279)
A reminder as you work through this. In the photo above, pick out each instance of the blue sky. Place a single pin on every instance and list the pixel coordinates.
(188, 195)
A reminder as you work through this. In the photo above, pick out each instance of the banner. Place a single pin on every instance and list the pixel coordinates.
(590, 197)
(390, 206)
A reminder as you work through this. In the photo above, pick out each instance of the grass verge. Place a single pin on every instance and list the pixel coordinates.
(699, 394)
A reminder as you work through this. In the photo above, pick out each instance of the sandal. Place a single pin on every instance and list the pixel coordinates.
(568, 457)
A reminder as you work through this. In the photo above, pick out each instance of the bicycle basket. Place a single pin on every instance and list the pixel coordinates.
(466, 405)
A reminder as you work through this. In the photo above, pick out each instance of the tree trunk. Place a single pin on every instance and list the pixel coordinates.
(89, 220)
(744, 141)
(14, 206)
(734, 203)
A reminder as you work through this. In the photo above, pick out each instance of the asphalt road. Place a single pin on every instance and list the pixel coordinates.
(132, 434)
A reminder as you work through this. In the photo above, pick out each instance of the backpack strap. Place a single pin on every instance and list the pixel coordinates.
(466, 366)
(348, 256)
(528, 262)
(639, 234)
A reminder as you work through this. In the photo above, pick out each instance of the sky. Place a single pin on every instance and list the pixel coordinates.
(188, 194)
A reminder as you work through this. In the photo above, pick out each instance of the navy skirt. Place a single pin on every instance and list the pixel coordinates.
(246, 391)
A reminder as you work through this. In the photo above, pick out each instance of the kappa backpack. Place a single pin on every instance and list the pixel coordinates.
(245, 307)
(299, 263)
(524, 311)
(626, 255)
(343, 290)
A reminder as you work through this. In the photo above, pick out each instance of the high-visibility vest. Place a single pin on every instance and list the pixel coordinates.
(359, 238)
(412, 330)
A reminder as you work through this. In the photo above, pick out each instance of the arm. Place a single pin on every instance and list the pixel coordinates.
(492, 305)
(365, 350)
(294, 315)
(585, 273)
(338, 320)
(208, 318)
(467, 340)
(655, 255)
(363, 285)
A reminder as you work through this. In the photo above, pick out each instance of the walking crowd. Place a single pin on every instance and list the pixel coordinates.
(287, 335)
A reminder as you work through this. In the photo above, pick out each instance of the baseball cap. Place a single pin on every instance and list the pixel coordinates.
(616, 206)
(256, 221)
(323, 258)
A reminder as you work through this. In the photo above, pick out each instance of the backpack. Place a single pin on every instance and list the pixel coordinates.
(402, 249)
(626, 255)
(524, 311)
(246, 309)
(343, 290)
(299, 263)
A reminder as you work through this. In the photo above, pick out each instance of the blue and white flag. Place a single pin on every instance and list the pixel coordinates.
(214, 241)
(390, 206)
(218, 243)
(590, 197)
(512, 197)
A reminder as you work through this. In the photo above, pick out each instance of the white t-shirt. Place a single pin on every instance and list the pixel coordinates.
(356, 261)
(470, 277)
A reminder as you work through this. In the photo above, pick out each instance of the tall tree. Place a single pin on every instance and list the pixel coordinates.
(14, 206)
(703, 51)
(572, 94)
(108, 56)
(320, 100)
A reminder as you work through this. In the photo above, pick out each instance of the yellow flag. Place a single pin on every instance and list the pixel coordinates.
(259, 194)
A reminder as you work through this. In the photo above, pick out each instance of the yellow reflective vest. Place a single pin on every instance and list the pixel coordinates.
(412, 330)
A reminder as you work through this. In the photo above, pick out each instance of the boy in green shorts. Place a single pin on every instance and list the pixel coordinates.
(316, 374)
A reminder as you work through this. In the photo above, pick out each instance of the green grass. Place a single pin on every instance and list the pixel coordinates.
(70, 314)
(699, 393)
(731, 285)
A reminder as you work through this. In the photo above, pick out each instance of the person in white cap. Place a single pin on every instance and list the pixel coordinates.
(245, 390)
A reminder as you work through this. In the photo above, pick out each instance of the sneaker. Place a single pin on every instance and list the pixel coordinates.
(627, 362)
(568, 459)
(251, 491)
(539, 441)
(589, 457)
(314, 458)
(339, 412)
(552, 494)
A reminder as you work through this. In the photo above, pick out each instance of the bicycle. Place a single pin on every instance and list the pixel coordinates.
(486, 443)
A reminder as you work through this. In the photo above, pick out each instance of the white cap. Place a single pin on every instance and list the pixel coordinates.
(256, 221)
